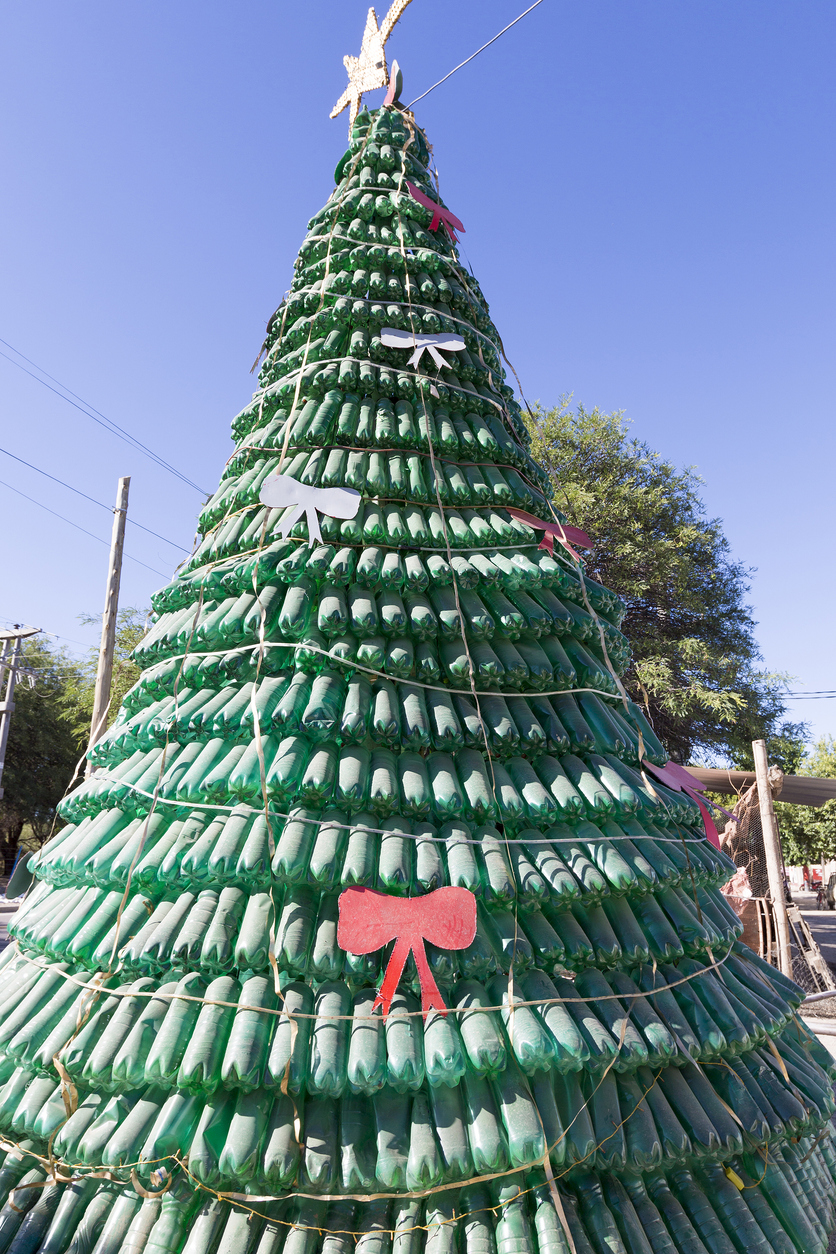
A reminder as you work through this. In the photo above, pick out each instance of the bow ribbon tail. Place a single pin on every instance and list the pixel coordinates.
(707, 822)
(314, 532)
(436, 222)
(436, 356)
(392, 975)
(291, 516)
(548, 540)
(431, 998)
(416, 356)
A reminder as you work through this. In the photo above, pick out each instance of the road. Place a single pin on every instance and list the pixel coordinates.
(7, 910)
(822, 923)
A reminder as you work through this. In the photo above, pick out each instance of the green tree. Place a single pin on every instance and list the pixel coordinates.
(808, 833)
(696, 665)
(51, 726)
(45, 745)
(131, 626)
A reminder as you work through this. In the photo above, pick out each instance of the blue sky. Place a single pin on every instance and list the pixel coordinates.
(648, 193)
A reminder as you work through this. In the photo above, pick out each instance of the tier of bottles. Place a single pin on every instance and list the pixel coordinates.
(414, 478)
(357, 779)
(518, 641)
(777, 1205)
(226, 1086)
(217, 929)
(526, 573)
(330, 849)
(138, 1031)
(351, 709)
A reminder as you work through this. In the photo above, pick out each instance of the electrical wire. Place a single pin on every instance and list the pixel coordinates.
(91, 412)
(109, 508)
(470, 58)
(72, 524)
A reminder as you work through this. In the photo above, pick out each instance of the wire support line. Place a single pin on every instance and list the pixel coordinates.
(810, 696)
(92, 499)
(90, 411)
(77, 527)
(474, 54)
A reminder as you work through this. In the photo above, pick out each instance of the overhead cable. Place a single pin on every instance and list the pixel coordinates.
(90, 411)
(472, 55)
(78, 492)
(55, 514)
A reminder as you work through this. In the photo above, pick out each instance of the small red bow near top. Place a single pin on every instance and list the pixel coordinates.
(554, 531)
(369, 920)
(440, 214)
(679, 779)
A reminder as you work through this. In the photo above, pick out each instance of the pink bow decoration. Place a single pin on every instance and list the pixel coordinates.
(678, 779)
(440, 214)
(554, 530)
(369, 920)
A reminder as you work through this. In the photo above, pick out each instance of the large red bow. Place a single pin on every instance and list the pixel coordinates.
(369, 920)
(440, 214)
(554, 530)
(677, 778)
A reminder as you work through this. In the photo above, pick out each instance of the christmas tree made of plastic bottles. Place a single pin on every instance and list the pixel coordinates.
(384, 688)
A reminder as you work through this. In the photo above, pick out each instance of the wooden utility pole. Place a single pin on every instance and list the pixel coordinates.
(774, 860)
(104, 671)
(9, 661)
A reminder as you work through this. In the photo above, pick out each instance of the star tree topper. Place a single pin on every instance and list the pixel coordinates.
(369, 70)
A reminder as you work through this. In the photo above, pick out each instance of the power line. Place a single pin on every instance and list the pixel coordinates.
(73, 524)
(470, 58)
(811, 696)
(91, 412)
(78, 492)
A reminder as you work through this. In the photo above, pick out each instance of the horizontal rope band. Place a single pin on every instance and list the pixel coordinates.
(377, 831)
(278, 1012)
(400, 679)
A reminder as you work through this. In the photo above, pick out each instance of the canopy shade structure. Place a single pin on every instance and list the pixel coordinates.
(800, 790)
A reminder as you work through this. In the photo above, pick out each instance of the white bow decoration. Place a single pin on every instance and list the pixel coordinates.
(393, 338)
(279, 490)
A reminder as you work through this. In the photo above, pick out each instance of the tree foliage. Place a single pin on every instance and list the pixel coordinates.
(808, 833)
(131, 626)
(44, 744)
(696, 665)
(50, 728)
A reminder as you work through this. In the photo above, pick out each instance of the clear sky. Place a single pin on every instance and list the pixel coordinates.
(648, 191)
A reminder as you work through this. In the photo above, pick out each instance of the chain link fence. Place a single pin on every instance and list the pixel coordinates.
(750, 894)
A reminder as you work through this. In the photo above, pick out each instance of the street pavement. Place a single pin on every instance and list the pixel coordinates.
(7, 910)
(822, 923)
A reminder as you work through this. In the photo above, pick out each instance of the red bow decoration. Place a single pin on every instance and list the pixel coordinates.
(554, 530)
(679, 779)
(440, 214)
(369, 920)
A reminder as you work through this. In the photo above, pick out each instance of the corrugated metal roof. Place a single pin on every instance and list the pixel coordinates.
(802, 790)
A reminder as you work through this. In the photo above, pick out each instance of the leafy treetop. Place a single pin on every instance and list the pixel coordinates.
(695, 665)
